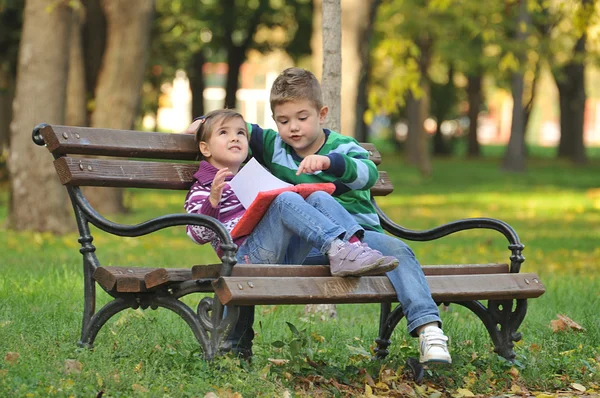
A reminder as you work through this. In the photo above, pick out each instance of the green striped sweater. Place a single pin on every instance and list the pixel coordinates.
(351, 170)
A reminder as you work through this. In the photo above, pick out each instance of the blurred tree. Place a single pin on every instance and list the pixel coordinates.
(357, 26)
(514, 156)
(443, 104)
(405, 33)
(11, 23)
(331, 80)
(120, 81)
(93, 42)
(364, 69)
(569, 23)
(37, 200)
(76, 112)
(188, 33)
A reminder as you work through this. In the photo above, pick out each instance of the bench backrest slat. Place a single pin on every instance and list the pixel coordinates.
(147, 174)
(68, 140)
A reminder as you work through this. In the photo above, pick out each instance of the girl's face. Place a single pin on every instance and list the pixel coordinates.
(227, 145)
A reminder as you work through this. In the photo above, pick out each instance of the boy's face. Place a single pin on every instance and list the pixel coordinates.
(299, 125)
(227, 145)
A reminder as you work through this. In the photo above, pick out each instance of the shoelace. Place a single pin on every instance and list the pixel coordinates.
(435, 338)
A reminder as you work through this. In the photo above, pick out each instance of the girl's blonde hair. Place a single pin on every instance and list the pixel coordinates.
(208, 121)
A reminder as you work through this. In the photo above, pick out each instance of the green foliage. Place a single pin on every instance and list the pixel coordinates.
(555, 208)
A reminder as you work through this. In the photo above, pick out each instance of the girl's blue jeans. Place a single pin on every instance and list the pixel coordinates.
(407, 279)
(289, 230)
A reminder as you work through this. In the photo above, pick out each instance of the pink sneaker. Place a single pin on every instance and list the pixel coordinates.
(354, 260)
(389, 263)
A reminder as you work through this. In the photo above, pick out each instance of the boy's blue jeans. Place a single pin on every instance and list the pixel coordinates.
(407, 279)
(289, 230)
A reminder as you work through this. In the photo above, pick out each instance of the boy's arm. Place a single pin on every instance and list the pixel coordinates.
(354, 169)
(347, 161)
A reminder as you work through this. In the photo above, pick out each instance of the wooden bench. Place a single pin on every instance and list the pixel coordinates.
(497, 293)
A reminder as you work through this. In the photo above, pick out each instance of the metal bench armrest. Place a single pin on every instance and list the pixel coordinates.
(515, 245)
(171, 220)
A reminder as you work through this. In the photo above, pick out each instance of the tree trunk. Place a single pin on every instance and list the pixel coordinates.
(37, 200)
(572, 97)
(94, 43)
(514, 157)
(197, 86)
(121, 78)
(235, 59)
(474, 96)
(360, 127)
(76, 112)
(236, 54)
(418, 109)
(7, 91)
(331, 83)
(443, 100)
(332, 62)
(416, 148)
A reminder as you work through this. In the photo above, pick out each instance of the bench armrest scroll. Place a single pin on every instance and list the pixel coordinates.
(515, 245)
(229, 248)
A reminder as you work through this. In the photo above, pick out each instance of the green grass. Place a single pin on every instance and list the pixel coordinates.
(554, 207)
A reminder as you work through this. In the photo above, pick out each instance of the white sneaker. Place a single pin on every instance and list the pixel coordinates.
(433, 346)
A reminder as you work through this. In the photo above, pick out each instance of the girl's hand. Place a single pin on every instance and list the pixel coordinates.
(313, 163)
(216, 191)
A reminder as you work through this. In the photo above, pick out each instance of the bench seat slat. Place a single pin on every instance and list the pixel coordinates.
(272, 270)
(372, 289)
(141, 279)
(146, 174)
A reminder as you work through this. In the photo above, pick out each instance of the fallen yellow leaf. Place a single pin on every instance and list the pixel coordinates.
(11, 357)
(72, 366)
(463, 392)
(578, 387)
(139, 388)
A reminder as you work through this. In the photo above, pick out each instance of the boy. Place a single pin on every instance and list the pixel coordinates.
(303, 152)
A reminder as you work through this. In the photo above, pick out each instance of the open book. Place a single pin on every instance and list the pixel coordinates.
(256, 188)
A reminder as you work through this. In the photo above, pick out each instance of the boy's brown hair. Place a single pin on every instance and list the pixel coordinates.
(208, 121)
(296, 84)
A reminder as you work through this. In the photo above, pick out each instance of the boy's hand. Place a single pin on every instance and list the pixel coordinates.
(217, 186)
(313, 163)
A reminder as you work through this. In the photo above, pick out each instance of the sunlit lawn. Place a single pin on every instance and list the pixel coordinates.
(555, 209)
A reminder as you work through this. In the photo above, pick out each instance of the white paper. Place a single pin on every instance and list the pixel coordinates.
(252, 179)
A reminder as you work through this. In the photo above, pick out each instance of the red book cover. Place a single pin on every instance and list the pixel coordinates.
(263, 200)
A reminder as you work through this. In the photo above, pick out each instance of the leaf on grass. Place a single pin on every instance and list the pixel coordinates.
(138, 367)
(211, 395)
(139, 388)
(515, 389)
(278, 362)
(463, 392)
(11, 358)
(578, 387)
(358, 351)
(368, 379)
(382, 386)
(72, 366)
(564, 323)
(405, 390)
(369, 391)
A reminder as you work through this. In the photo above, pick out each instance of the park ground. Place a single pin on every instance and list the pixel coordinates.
(554, 207)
